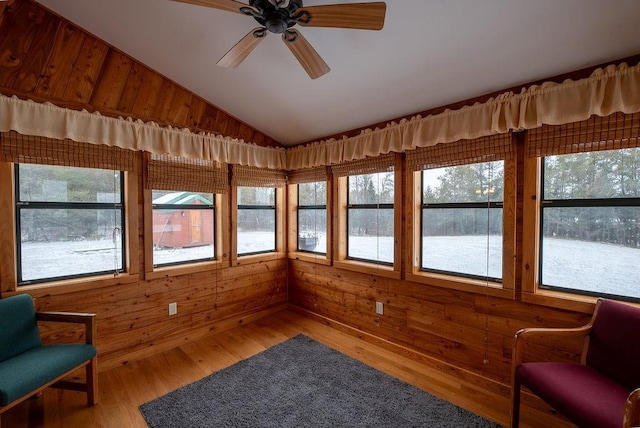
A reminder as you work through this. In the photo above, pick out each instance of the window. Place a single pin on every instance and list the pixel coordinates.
(370, 217)
(309, 201)
(69, 222)
(185, 206)
(463, 208)
(259, 215)
(590, 223)
(582, 204)
(461, 217)
(368, 229)
(67, 219)
(312, 217)
(256, 220)
(183, 227)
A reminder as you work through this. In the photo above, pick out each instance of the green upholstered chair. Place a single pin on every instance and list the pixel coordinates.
(27, 366)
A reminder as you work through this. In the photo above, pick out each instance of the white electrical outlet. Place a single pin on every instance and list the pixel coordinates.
(379, 308)
(173, 308)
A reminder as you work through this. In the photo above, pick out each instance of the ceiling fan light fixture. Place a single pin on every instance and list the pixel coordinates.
(278, 16)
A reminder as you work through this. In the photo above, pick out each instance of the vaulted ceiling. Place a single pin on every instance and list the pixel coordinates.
(429, 53)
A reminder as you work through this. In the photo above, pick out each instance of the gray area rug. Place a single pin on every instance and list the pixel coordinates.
(303, 383)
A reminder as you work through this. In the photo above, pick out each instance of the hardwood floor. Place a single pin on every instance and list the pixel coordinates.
(124, 388)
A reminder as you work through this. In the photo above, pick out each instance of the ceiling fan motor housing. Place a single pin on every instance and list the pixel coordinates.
(276, 19)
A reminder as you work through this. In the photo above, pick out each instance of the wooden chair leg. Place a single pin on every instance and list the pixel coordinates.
(92, 382)
(515, 403)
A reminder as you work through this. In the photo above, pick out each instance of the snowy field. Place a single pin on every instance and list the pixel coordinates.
(601, 268)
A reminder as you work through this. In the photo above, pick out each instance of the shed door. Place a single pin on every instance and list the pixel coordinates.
(196, 226)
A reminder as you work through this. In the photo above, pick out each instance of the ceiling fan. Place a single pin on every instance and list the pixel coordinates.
(278, 16)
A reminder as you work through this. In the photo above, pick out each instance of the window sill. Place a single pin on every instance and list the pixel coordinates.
(368, 268)
(310, 257)
(561, 300)
(258, 258)
(470, 285)
(186, 269)
(74, 285)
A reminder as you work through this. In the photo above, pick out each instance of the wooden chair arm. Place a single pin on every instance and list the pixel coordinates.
(89, 321)
(542, 335)
(632, 410)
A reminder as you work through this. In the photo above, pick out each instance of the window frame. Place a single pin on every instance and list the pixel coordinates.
(279, 213)
(292, 237)
(615, 131)
(21, 205)
(533, 205)
(341, 259)
(220, 208)
(424, 205)
(414, 271)
(367, 206)
(8, 252)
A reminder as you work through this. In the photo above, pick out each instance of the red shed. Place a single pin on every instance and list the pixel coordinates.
(180, 226)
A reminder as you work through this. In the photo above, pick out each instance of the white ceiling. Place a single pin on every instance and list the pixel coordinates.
(429, 54)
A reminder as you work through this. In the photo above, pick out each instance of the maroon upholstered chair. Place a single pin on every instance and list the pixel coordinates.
(604, 389)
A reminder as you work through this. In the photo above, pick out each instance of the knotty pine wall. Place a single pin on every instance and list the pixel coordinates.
(46, 58)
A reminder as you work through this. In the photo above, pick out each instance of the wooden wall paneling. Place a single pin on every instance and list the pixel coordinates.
(3, 6)
(165, 103)
(61, 64)
(7, 235)
(233, 127)
(222, 119)
(208, 119)
(86, 70)
(36, 59)
(108, 88)
(196, 110)
(164, 92)
(147, 95)
(245, 132)
(177, 111)
(131, 87)
(14, 44)
(436, 321)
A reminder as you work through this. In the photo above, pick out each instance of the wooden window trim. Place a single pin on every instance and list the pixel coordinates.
(221, 233)
(292, 229)
(221, 242)
(8, 274)
(505, 289)
(339, 189)
(280, 251)
(531, 293)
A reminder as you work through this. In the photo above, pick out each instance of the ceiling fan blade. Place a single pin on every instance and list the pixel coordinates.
(228, 5)
(243, 48)
(307, 56)
(359, 16)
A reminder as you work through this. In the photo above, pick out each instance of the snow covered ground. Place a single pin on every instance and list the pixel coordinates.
(601, 268)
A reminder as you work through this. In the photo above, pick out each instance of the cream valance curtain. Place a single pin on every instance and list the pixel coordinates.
(615, 88)
(606, 91)
(47, 120)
